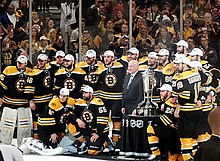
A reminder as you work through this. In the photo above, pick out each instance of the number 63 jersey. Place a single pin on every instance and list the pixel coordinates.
(93, 114)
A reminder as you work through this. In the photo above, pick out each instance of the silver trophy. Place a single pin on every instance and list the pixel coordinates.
(148, 107)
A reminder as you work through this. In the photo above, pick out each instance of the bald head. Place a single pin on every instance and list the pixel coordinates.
(214, 120)
(133, 66)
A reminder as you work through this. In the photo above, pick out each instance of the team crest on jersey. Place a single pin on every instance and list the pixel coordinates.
(47, 81)
(92, 78)
(110, 80)
(87, 116)
(2, 77)
(20, 84)
(70, 84)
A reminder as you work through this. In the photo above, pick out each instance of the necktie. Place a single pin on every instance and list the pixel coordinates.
(129, 82)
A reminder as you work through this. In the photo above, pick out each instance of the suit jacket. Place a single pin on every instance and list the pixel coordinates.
(209, 151)
(133, 95)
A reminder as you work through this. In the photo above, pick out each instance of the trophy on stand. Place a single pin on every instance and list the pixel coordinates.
(148, 107)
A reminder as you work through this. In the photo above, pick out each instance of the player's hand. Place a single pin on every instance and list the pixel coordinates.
(81, 123)
(53, 138)
(32, 105)
(94, 137)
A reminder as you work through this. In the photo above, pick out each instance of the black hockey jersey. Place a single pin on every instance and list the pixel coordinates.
(71, 80)
(43, 81)
(51, 120)
(111, 81)
(93, 114)
(13, 86)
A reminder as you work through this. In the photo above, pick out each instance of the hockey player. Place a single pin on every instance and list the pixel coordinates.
(58, 63)
(164, 129)
(166, 66)
(16, 110)
(70, 77)
(182, 47)
(89, 120)
(90, 66)
(112, 78)
(42, 77)
(190, 112)
(50, 129)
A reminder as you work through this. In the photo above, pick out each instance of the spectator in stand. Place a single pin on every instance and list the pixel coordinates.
(188, 31)
(215, 14)
(52, 36)
(119, 21)
(191, 43)
(23, 6)
(209, 53)
(3, 6)
(36, 21)
(214, 36)
(164, 37)
(144, 39)
(9, 16)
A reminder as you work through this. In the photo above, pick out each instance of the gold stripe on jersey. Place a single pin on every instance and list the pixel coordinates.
(29, 89)
(102, 120)
(165, 120)
(185, 94)
(44, 98)
(189, 107)
(3, 85)
(15, 102)
(46, 121)
(77, 70)
(106, 129)
(110, 95)
(207, 107)
(156, 99)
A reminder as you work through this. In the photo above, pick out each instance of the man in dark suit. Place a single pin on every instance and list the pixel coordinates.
(133, 92)
(210, 150)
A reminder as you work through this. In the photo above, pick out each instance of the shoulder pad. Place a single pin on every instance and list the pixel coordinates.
(97, 101)
(176, 76)
(117, 64)
(71, 101)
(51, 48)
(170, 103)
(28, 70)
(124, 58)
(10, 70)
(143, 67)
(80, 101)
(35, 71)
(53, 62)
(81, 64)
(60, 71)
(55, 104)
(143, 59)
(168, 69)
(79, 70)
